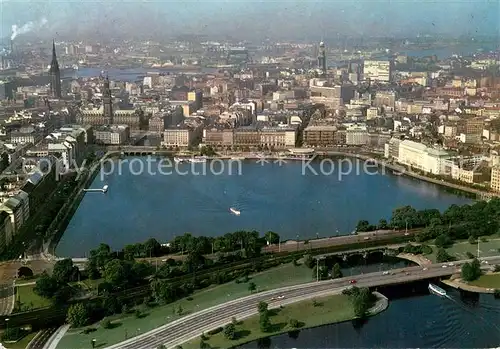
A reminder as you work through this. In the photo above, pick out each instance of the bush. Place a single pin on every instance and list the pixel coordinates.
(137, 313)
(469, 255)
(496, 293)
(106, 324)
(294, 323)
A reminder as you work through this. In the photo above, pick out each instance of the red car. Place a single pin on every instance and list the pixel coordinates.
(352, 281)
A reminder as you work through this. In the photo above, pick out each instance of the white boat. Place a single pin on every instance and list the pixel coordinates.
(238, 158)
(234, 211)
(105, 189)
(178, 160)
(437, 290)
(197, 160)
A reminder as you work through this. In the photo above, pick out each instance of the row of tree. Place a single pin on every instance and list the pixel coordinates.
(456, 222)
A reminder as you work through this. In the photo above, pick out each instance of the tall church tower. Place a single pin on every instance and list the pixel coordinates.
(107, 102)
(322, 58)
(55, 74)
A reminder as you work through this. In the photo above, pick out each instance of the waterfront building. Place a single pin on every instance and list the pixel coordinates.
(112, 134)
(14, 207)
(391, 150)
(421, 157)
(278, 137)
(182, 136)
(320, 136)
(218, 137)
(54, 74)
(357, 135)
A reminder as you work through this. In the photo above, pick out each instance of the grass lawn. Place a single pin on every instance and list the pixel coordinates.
(332, 309)
(487, 281)
(459, 249)
(22, 344)
(29, 299)
(129, 326)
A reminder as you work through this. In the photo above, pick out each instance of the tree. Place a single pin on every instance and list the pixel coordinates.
(442, 256)
(320, 272)
(336, 272)
(252, 287)
(272, 237)
(24, 272)
(472, 240)
(46, 286)
(230, 332)
(115, 272)
(162, 346)
(363, 226)
(382, 224)
(152, 248)
(78, 315)
(262, 306)
(264, 323)
(471, 271)
(204, 345)
(64, 271)
(443, 240)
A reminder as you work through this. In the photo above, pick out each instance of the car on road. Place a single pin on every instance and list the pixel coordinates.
(425, 269)
(406, 234)
(451, 264)
(444, 266)
(366, 238)
(385, 273)
(352, 281)
(407, 273)
(281, 297)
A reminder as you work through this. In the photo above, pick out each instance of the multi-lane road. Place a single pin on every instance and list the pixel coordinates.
(193, 325)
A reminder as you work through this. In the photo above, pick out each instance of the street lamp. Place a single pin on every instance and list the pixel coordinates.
(297, 242)
(7, 323)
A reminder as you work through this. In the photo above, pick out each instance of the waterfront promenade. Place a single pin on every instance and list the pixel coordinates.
(193, 325)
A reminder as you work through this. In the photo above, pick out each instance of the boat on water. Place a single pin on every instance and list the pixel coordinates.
(234, 211)
(437, 290)
(197, 160)
(179, 160)
(238, 158)
(105, 189)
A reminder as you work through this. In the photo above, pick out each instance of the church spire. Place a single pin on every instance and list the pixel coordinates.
(55, 74)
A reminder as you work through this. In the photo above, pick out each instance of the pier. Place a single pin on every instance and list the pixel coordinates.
(97, 190)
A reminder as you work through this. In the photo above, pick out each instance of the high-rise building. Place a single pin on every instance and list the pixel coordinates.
(107, 102)
(55, 74)
(322, 58)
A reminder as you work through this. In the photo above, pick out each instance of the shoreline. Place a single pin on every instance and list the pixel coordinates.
(398, 170)
(459, 284)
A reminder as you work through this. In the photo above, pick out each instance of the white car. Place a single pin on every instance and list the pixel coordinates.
(425, 269)
(281, 297)
(451, 264)
(385, 273)
(444, 266)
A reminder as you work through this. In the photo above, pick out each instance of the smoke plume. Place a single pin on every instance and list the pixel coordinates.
(28, 27)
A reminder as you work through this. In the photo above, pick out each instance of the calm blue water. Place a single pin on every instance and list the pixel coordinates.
(418, 322)
(270, 197)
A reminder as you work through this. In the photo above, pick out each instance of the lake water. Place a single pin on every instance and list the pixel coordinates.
(423, 321)
(286, 199)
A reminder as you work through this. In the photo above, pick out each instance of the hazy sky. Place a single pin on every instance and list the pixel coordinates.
(278, 19)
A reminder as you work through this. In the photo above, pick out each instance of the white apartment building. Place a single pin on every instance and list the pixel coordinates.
(377, 71)
(421, 157)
